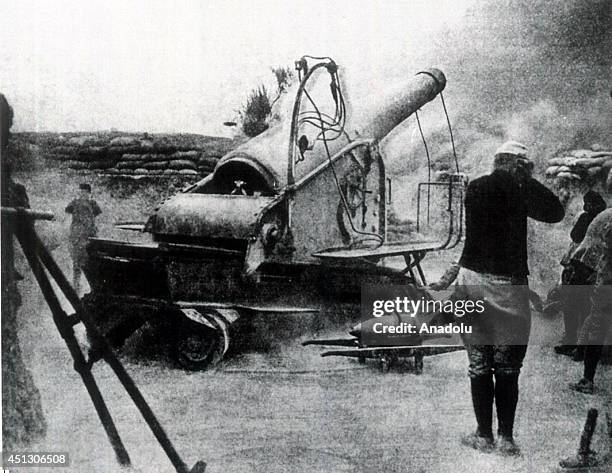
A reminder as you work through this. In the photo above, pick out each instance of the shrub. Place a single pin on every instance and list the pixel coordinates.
(256, 112)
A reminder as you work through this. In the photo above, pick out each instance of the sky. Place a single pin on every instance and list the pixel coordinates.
(187, 66)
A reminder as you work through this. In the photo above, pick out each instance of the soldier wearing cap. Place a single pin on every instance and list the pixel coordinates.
(84, 211)
(493, 267)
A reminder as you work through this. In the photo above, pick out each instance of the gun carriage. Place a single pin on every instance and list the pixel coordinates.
(294, 220)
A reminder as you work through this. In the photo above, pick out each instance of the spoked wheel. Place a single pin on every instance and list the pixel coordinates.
(200, 346)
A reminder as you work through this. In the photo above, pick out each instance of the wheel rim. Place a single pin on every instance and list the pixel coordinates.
(197, 347)
(200, 347)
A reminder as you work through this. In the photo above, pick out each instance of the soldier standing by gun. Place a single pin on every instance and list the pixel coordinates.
(494, 268)
(84, 211)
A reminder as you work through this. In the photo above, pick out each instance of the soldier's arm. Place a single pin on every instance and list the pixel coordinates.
(542, 204)
(447, 278)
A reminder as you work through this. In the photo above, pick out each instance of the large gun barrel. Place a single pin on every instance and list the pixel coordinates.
(265, 155)
(400, 102)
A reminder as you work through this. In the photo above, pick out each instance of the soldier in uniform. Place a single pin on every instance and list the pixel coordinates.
(84, 211)
(493, 268)
(574, 295)
(595, 252)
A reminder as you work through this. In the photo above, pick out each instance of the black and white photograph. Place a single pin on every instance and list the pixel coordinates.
(311, 236)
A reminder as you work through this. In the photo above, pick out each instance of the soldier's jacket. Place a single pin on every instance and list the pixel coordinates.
(83, 226)
(596, 252)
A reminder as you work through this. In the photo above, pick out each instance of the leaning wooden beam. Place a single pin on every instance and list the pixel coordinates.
(27, 213)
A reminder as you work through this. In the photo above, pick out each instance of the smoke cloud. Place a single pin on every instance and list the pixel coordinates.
(535, 71)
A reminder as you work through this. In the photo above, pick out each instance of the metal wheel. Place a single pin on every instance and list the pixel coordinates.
(200, 346)
(195, 348)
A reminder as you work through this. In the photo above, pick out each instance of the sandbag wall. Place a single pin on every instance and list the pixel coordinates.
(139, 155)
(586, 166)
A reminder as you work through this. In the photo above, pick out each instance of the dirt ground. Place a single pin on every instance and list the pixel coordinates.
(289, 410)
(292, 411)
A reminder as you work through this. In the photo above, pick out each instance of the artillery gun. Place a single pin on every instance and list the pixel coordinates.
(294, 220)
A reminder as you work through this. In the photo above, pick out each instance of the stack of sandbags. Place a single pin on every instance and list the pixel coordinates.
(139, 155)
(581, 165)
(207, 163)
(184, 162)
(82, 157)
(177, 163)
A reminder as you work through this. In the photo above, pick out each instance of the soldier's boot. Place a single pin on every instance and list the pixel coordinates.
(506, 399)
(482, 389)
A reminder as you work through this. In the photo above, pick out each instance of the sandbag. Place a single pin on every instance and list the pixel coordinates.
(129, 164)
(550, 171)
(75, 164)
(208, 162)
(589, 154)
(155, 165)
(593, 171)
(185, 155)
(589, 162)
(141, 171)
(569, 175)
(564, 161)
(188, 172)
(182, 164)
